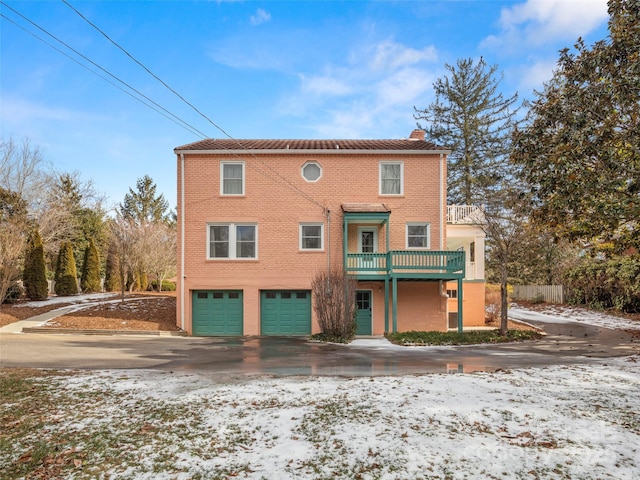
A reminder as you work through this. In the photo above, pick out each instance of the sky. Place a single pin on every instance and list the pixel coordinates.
(251, 69)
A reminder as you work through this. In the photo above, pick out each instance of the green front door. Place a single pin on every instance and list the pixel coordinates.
(285, 312)
(363, 314)
(217, 312)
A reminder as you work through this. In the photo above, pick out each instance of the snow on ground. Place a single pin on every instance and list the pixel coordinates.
(559, 422)
(55, 300)
(562, 313)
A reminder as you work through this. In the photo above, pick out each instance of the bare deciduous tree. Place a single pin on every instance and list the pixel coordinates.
(159, 251)
(125, 238)
(334, 302)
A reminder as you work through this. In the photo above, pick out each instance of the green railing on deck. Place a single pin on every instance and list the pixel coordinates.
(409, 261)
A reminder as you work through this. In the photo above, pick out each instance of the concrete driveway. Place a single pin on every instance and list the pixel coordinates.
(565, 343)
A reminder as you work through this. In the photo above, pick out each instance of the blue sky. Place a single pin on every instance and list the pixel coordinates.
(257, 69)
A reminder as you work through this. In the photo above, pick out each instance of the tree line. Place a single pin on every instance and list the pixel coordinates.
(559, 176)
(54, 226)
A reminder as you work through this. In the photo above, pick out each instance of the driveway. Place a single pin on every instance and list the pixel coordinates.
(566, 343)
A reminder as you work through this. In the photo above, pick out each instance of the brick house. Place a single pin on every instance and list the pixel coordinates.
(258, 218)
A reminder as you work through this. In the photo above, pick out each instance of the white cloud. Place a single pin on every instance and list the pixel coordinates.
(393, 55)
(324, 85)
(533, 76)
(374, 89)
(261, 16)
(538, 22)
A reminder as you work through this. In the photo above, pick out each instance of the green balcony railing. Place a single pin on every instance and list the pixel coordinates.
(411, 262)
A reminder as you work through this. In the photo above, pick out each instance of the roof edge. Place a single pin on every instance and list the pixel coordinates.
(310, 152)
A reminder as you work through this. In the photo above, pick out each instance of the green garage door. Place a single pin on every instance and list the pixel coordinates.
(285, 312)
(217, 312)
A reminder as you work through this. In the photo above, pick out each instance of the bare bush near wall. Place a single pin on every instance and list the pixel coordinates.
(334, 302)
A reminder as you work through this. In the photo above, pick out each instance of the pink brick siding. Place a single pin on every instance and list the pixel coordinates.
(277, 199)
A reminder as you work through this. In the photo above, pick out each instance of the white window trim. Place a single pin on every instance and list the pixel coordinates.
(232, 241)
(418, 224)
(391, 162)
(311, 163)
(222, 164)
(311, 224)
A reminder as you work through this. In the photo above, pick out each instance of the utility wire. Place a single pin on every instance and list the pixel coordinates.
(203, 135)
(50, 45)
(218, 127)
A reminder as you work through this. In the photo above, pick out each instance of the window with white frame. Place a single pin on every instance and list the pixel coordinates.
(391, 178)
(418, 235)
(232, 241)
(232, 178)
(311, 171)
(311, 236)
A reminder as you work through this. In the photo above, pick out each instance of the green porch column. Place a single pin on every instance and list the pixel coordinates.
(386, 304)
(345, 242)
(460, 305)
(394, 304)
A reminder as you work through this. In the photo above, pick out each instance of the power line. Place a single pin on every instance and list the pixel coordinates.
(96, 73)
(276, 173)
(194, 129)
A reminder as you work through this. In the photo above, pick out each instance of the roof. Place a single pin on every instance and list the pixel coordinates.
(365, 208)
(296, 146)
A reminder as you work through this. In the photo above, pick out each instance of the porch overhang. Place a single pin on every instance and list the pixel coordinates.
(365, 212)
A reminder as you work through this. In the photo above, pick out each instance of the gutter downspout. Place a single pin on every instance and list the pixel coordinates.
(182, 210)
(328, 240)
(441, 228)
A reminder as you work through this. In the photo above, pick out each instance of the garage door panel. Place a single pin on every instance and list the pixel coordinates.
(285, 312)
(217, 312)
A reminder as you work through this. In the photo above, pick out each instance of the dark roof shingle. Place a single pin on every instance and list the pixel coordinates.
(213, 144)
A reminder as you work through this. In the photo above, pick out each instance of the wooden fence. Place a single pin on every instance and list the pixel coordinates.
(539, 293)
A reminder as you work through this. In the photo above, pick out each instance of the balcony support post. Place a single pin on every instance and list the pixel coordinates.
(345, 242)
(394, 303)
(460, 305)
(386, 304)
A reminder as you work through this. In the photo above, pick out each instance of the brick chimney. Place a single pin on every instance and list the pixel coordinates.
(417, 134)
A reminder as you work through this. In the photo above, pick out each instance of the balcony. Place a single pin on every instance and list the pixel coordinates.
(407, 264)
(465, 214)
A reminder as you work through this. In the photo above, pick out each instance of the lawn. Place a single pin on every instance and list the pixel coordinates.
(561, 422)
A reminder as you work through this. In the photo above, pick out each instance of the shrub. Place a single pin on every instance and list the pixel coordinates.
(66, 275)
(167, 286)
(90, 281)
(334, 303)
(14, 293)
(34, 275)
(111, 277)
(600, 284)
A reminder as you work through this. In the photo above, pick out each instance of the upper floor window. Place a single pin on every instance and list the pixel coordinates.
(232, 178)
(418, 235)
(311, 171)
(233, 241)
(311, 236)
(391, 178)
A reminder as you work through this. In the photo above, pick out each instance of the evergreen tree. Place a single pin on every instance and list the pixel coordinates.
(66, 275)
(579, 148)
(472, 119)
(111, 275)
(90, 281)
(34, 275)
(144, 205)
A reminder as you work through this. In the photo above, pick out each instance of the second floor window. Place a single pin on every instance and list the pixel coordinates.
(417, 235)
(233, 241)
(311, 236)
(232, 178)
(391, 178)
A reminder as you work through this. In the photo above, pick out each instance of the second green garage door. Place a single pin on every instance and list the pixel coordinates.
(285, 312)
(217, 312)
